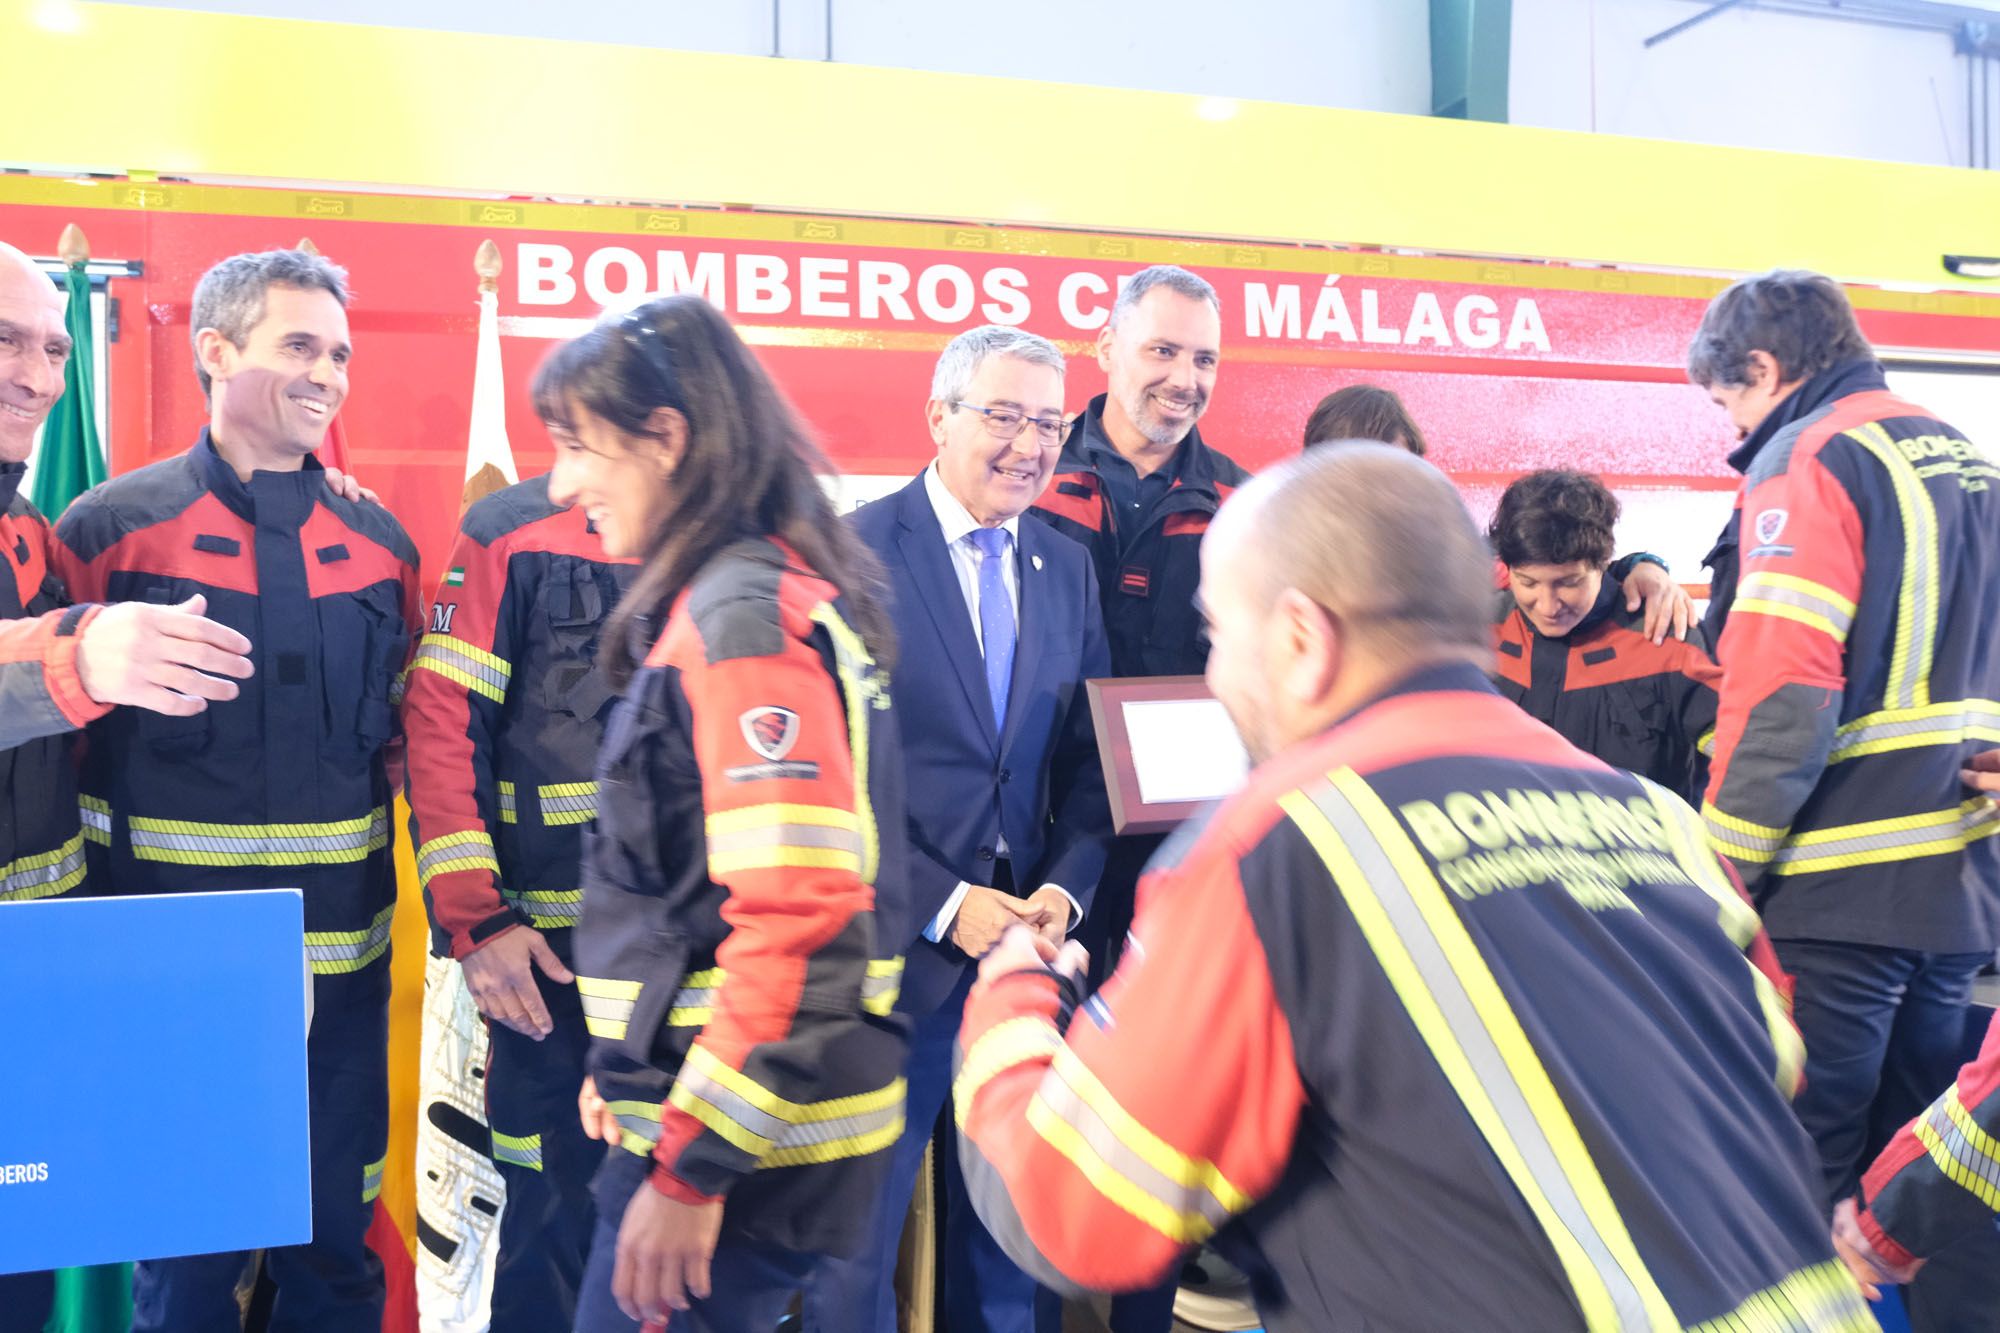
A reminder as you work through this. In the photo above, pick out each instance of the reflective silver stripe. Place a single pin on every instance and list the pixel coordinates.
(763, 1128)
(553, 909)
(1517, 1131)
(465, 664)
(518, 1150)
(96, 816)
(332, 952)
(190, 843)
(1907, 838)
(1764, 587)
(568, 803)
(607, 1005)
(1903, 729)
(43, 875)
(882, 985)
(1740, 839)
(691, 1006)
(468, 850)
(641, 1123)
(509, 812)
(784, 835)
(1966, 1153)
(371, 1180)
(808, 1133)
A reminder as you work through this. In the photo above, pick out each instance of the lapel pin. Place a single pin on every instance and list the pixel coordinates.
(1035, 560)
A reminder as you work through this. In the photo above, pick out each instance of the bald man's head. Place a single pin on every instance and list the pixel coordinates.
(34, 348)
(1331, 574)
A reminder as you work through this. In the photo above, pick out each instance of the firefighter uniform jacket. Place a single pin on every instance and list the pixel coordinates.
(1861, 660)
(41, 835)
(287, 783)
(1443, 1024)
(1612, 692)
(504, 710)
(1939, 1178)
(743, 921)
(1149, 570)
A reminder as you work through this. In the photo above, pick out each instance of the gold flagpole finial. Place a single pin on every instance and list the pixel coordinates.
(306, 246)
(486, 263)
(74, 247)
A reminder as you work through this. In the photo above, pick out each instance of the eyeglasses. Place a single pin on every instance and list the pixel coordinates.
(1004, 423)
(644, 338)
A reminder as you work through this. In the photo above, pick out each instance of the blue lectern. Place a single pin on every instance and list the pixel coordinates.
(152, 1078)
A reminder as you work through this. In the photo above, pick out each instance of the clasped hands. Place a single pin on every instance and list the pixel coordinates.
(985, 914)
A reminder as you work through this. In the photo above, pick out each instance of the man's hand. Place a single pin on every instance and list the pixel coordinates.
(1984, 772)
(599, 1121)
(1022, 949)
(1054, 906)
(984, 913)
(1668, 605)
(166, 658)
(664, 1247)
(501, 976)
(347, 488)
(1869, 1268)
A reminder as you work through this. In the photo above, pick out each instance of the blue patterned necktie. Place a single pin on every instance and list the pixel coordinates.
(996, 620)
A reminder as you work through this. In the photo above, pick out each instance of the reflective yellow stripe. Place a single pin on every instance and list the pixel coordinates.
(1739, 839)
(779, 834)
(567, 803)
(777, 1132)
(471, 849)
(1688, 838)
(1793, 598)
(1764, 580)
(860, 684)
(518, 1150)
(1000, 1048)
(1457, 1005)
(1760, 606)
(95, 812)
(334, 952)
(371, 1179)
(1818, 1299)
(1706, 744)
(607, 1005)
(549, 909)
(1915, 728)
(1966, 1154)
(1917, 607)
(777, 858)
(1878, 841)
(185, 842)
(883, 984)
(693, 1003)
(458, 661)
(510, 813)
(43, 875)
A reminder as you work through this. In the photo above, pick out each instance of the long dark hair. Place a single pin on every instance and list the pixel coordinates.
(750, 468)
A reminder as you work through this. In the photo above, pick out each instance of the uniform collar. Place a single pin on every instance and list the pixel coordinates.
(10, 483)
(954, 520)
(1837, 381)
(1088, 445)
(279, 500)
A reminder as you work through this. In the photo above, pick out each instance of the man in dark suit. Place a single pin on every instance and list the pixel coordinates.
(997, 625)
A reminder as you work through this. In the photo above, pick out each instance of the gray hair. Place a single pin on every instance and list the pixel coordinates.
(1173, 278)
(230, 296)
(1801, 319)
(964, 355)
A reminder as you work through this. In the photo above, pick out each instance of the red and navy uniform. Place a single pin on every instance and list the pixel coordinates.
(285, 785)
(1611, 691)
(1440, 1023)
(1861, 672)
(743, 926)
(1148, 561)
(1939, 1178)
(41, 700)
(505, 709)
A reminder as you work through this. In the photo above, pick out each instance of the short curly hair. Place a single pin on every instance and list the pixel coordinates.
(1803, 320)
(1555, 517)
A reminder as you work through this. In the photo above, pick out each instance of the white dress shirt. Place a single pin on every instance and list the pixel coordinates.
(958, 524)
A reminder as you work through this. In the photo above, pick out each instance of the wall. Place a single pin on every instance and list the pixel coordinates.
(1747, 77)
(1362, 54)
